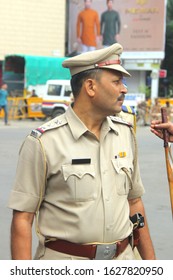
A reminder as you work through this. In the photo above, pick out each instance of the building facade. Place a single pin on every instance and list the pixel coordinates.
(48, 28)
(32, 27)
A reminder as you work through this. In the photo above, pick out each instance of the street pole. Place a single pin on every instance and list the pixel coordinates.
(154, 84)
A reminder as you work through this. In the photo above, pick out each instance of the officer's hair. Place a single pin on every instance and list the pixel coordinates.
(78, 79)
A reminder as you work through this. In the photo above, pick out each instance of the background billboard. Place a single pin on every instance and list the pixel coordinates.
(142, 25)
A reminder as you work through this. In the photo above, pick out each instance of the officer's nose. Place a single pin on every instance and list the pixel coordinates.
(124, 88)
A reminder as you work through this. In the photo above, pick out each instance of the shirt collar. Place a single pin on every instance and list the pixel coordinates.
(112, 125)
(78, 128)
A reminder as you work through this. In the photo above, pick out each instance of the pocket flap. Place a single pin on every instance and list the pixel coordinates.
(78, 170)
(121, 163)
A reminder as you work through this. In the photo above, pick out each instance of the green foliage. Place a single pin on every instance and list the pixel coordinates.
(145, 89)
(169, 16)
(168, 60)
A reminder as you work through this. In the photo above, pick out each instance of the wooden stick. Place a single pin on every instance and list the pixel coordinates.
(168, 165)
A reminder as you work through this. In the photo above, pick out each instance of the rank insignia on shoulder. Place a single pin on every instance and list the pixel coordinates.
(52, 124)
(36, 133)
(128, 114)
(120, 120)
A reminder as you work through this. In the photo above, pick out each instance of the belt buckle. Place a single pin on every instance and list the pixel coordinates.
(105, 251)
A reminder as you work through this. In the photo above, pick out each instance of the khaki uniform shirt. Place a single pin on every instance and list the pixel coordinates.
(85, 182)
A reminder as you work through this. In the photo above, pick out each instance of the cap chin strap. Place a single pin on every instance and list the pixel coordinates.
(108, 62)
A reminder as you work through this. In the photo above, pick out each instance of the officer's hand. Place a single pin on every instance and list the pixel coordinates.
(157, 128)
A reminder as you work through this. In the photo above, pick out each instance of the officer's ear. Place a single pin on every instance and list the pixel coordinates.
(90, 87)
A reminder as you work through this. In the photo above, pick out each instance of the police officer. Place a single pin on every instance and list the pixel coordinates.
(128, 114)
(155, 110)
(80, 172)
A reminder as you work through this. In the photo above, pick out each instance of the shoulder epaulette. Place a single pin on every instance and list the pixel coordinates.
(52, 124)
(128, 109)
(120, 120)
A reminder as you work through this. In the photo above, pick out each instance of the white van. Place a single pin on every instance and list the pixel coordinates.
(57, 97)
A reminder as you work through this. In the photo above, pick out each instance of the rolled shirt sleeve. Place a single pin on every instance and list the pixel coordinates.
(29, 181)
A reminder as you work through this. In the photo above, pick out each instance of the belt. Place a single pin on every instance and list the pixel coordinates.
(93, 251)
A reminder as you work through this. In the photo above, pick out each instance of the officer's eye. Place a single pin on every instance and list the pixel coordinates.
(118, 82)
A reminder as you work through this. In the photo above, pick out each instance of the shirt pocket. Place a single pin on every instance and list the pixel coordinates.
(124, 169)
(80, 180)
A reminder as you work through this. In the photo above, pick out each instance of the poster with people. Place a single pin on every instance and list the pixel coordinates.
(136, 25)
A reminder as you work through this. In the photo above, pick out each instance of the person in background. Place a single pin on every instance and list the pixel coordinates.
(155, 113)
(88, 27)
(79, 173)
(4, 101)
(169, 110)
(33, 93)
(110, 25)
(141, 112)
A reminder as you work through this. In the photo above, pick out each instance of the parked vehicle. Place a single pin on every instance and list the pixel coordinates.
(23, 73)
(57, 97)
(133, 99)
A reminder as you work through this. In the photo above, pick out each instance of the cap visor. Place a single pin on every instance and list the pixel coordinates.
(119, 68)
